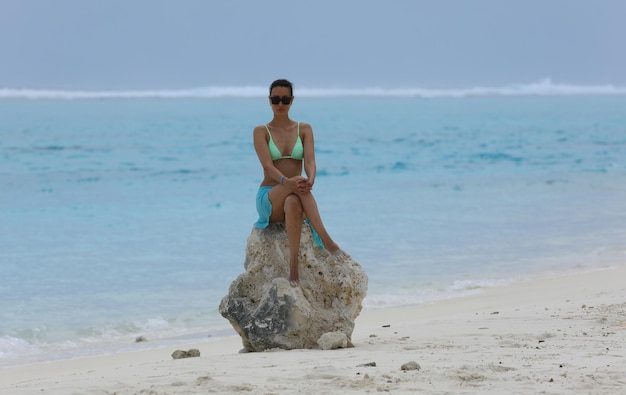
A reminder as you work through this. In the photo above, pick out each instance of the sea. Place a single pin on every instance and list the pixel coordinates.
(124, 215)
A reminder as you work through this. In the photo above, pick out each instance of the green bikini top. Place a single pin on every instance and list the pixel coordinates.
(296, 153)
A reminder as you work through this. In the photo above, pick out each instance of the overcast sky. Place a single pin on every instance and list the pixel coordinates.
(176, 44)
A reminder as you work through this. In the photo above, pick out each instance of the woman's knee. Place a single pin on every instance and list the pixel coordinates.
(293, 205)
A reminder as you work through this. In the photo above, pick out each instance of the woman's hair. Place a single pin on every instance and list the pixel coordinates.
(282, 83)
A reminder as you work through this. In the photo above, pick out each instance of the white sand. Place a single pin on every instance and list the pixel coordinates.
(554, 336)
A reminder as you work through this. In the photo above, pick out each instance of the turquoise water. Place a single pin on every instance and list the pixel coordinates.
(128, 217)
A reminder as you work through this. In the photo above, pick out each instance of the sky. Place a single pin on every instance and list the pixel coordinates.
(182, 44)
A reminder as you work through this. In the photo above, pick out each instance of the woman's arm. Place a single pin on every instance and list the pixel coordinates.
(308, 141)
(263, 152)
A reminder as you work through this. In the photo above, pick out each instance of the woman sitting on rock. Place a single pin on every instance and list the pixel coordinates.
(283, 147)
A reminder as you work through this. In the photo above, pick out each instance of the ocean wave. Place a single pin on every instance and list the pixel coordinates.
(112, 337)
(545, 87)
(399, 297)
(11, 347)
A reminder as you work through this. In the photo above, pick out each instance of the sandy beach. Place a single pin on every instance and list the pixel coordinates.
(558, 335)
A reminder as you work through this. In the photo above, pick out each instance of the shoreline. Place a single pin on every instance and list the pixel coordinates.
(558, 334)
(128, 344)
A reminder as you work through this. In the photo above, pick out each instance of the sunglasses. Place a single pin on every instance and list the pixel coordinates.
(286, 100)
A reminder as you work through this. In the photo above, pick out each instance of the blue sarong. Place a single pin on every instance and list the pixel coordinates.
(263, 207)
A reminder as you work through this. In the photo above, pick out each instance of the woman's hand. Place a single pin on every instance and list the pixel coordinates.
(298, 184)
(303, 185)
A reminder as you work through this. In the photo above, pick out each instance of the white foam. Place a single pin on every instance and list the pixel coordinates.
(544, 87)
(430, 293)
(11, 347)
(106, 340)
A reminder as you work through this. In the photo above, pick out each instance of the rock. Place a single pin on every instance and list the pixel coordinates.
(140, 339)
(191, 353)
(333, 341)
(412, 365)
(366, 365)
(268, 313)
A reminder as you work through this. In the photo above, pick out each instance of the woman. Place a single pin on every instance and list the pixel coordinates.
(283, 147)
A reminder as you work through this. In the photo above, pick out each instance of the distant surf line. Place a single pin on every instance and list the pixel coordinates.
(544, 87)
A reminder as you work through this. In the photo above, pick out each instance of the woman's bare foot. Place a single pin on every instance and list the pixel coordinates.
(294, 280)
(294, 276)
(294, 283)
(337, 253)
(340, 256)
(330, 245)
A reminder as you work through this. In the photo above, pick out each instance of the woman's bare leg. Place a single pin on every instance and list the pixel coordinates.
(284, 209)
(309, 205)
(278, 196)
(293, 223)
(287, 207)
(312, 213)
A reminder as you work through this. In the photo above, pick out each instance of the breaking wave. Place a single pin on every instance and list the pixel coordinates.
(543, 87)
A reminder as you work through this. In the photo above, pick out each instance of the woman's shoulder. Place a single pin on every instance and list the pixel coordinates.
(305, 127)
(260, 128)
(259, 133)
